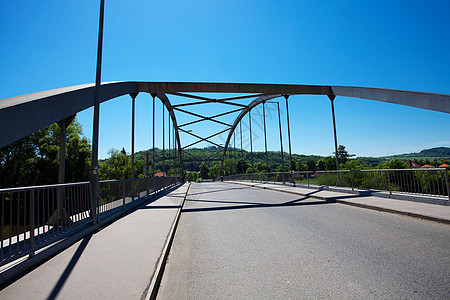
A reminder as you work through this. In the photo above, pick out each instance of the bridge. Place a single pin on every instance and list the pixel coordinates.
(255, 235)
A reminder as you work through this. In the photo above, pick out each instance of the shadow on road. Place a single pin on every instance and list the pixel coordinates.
(246, 205)
(69, 268)
(217, 191)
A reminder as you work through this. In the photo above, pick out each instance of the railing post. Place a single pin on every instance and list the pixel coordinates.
(32, 212)
(446, 180)
(351, 178)
(326, 179)
(308, 178)
(389, 181)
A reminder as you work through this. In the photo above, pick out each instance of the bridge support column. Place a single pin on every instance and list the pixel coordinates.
(153, 129)
(234, 155)
(251, 141)
(332, 97)
(163, 138)
(242, 153)
(60, 216)
(289, 138)
(133, 119)
(265, 141)
(281, 143)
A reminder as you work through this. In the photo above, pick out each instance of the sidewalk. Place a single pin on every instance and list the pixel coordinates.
(432, 212)
(118, 262)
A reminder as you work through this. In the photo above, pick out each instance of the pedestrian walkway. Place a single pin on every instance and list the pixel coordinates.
(433, 212)
(118, 262)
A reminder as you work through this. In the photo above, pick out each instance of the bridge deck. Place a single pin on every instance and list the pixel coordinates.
(236, 241)
(418, 208)
(117, 262)
(241, 242)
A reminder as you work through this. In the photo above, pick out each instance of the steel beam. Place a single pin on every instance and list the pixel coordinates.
(335, 139)
(23, 115)
(252, 105)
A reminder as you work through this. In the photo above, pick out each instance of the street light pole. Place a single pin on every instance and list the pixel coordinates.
(94, 161)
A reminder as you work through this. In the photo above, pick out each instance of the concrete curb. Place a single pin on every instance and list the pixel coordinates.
(366, 206)
(153, 288)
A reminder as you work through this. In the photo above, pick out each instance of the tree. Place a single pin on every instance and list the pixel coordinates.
(118, 166)
(191, 176)
(242, 166)
(330, 163)
(34, 160)
(301, 166)
(204, 170)
(310, 163)
(321, 164)
(393, 163)
(214, 171)
(354, 164)
(343, 155)
(262, 168)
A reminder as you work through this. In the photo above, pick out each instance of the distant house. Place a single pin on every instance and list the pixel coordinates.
(427, 166)
(160, 174)
(414, 165)
(444, 166)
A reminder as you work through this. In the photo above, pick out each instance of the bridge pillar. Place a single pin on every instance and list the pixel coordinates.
(265, 142)
(60, 216)
(153, 129)
(289, 138)
(281, 143)
(133, 118)
(251, 141)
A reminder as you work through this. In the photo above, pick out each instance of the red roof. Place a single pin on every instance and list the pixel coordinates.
(444, 166)
(415, 165)
(427, 166)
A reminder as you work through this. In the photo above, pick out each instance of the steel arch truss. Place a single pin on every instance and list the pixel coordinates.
(203, 118)
(23, 115)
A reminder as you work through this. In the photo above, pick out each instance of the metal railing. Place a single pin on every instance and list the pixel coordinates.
(421, 182)
(31, 218)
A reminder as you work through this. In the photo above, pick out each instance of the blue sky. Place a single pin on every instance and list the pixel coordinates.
(386, 44)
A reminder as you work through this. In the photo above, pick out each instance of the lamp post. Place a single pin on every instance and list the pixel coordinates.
(94, 161)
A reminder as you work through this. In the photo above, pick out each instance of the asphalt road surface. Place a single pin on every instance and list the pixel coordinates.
(236, 242)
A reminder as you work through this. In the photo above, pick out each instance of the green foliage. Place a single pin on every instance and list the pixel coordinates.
(354, 164)
(311, 165)
(204, 170)
(394, 163)
(191, 176)
(34, 160)
(242, 166)
(300, 166)
(330, 163)
(118, 166)
(343, 155)
(321, 164)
